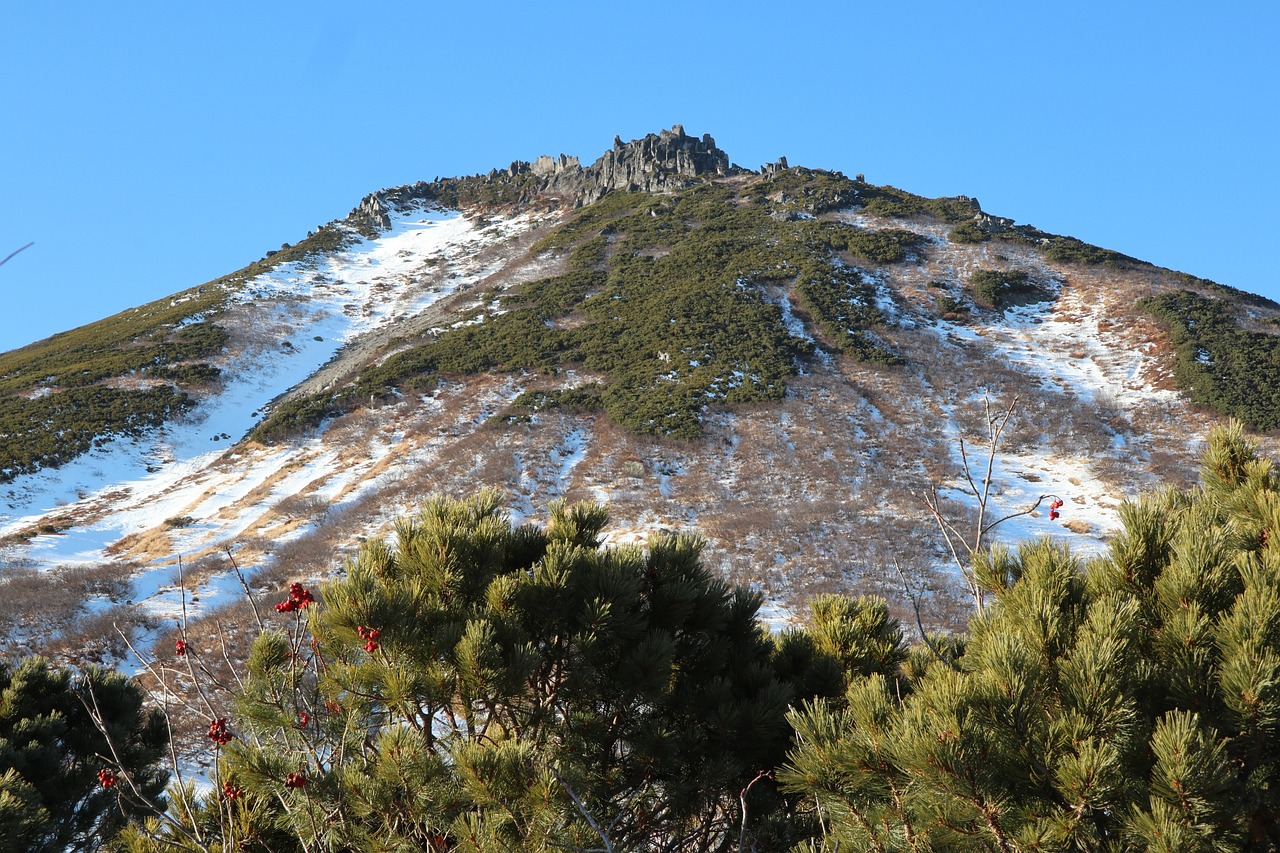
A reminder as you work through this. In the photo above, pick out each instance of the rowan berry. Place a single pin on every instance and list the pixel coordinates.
(218, 731)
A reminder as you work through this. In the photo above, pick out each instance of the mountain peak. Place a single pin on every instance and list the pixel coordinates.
(657, 162)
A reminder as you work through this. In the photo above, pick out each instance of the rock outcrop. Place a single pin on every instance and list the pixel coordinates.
(662, 162)
(659, 162)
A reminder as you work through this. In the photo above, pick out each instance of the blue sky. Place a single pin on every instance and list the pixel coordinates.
(148, 147)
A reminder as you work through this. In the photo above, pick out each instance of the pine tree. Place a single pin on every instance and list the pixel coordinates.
(478, 686)
(78, 756)
(1133, 703)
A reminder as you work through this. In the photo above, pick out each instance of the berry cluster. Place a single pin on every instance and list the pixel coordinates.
(295, 780)
(107, 778)
(179, 647)
(218, 731)
(1053, 509)
(231, 792)
(370, 636)
(298, 599)
(303, 719)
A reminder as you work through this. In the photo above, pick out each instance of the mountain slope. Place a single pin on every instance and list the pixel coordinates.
(783, 361)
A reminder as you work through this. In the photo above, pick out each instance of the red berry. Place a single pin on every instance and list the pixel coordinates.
(299, 596)
(303, 719)
(106, 778)
(232, 792)
(1053, 515)
(295, 780)
(180, 647)
(218, 731)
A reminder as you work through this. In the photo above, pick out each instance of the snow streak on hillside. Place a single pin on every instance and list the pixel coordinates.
(181, 480)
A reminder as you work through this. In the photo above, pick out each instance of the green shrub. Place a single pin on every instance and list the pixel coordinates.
(1001, 288)
(1228, 369)
(968, 232)
(948, 304)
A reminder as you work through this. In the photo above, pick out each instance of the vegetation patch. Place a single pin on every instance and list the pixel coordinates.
(1228, 369)
(968, 232)
(673, 330)
(1002, 288)
(585, 399)
(56, 400)
(842, 303)
(52, 430)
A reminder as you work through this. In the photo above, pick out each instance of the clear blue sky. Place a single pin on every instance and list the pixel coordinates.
(148, 147)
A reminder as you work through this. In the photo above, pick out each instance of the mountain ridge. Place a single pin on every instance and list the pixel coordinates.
(478, 331)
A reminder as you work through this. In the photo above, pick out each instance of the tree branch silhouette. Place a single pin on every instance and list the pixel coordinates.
(16, 251)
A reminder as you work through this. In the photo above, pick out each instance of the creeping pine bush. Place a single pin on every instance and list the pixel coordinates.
(1228, 369)
(664, 304)
(1001, 288)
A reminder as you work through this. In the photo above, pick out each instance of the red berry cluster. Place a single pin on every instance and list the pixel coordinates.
(370, 636)
(107, 778)
(231, 792)
(295, 780)
(1053, 509)
(179, 647)
(298, 599)
(218, 731)
(303, 719)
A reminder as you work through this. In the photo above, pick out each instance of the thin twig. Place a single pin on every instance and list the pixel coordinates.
(16, 251)
(582, 809)
(915, 606)
(247, 592)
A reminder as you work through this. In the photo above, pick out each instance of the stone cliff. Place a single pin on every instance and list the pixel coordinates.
(659, 162)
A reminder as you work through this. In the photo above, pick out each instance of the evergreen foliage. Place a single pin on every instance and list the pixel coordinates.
(968, 232)
(1126, 705)
(1002, 288)
(1230, 370)
(485, 687)
(661, 291)
(459, 689)
(51, 752)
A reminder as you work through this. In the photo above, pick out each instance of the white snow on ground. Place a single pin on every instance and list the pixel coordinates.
(176, 471)
(1019, 480)
(1067, 354)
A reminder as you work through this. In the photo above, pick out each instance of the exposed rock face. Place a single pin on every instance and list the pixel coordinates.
(660, 162)
(774, 168)
(545, 165)
(372, 212)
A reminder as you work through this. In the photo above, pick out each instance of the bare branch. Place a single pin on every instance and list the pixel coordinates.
(582, 809)
(14, 252)
(915, 606)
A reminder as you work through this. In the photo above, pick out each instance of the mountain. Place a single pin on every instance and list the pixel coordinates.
(784, 360)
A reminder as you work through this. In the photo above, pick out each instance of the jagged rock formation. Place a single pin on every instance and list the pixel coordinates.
(774, 168)
(658, 163)
(661, 162)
